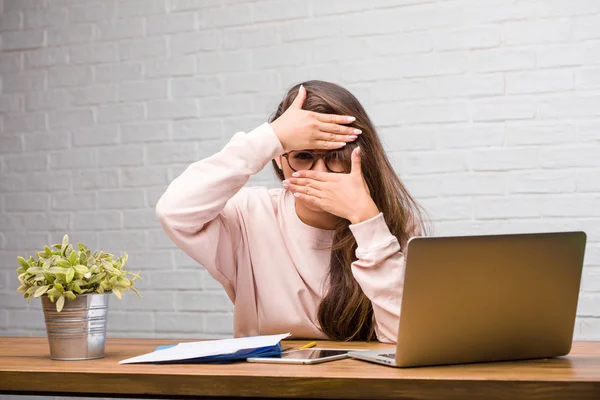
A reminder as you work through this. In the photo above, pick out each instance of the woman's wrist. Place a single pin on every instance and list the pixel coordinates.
(364, 213)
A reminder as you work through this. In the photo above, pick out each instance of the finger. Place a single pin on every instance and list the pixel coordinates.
(334, 137)
(335, 119)
(306, 190)
(300, 97)
(305, 182)
(356, 161)
(339, 129)
(315, 175)
(315, 201)
(320, 144)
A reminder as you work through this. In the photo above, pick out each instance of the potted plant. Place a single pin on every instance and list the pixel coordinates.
(74, 287)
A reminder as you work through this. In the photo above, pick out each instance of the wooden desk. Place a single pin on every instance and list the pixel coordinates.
(25, 368)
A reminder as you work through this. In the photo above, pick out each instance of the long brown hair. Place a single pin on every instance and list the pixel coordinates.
(345, 313)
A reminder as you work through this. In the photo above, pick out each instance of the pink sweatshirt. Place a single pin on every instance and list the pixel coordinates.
(271, 264)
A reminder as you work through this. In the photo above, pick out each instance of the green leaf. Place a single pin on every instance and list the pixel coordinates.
(23, 262)
(35, 270)
(41, 291)
(73, 259)
(81, 269)
(60, 303)
(124, 262)
(22, 288)
(48, 251)
(65, 243)
(136, 292)
(70, 295)
(75, 287)
(117, 293)
(63, 263)
(59, 287)
(58, 270)
(70, 274)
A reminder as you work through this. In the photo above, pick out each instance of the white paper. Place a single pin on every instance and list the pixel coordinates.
(185, 351)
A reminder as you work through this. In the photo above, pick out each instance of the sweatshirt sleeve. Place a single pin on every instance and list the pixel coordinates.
(379, 270)
(200, 210)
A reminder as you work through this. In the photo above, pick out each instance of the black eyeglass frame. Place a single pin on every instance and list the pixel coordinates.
(316, 157)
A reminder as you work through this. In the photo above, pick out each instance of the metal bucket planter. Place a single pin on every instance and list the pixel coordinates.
(78, 332)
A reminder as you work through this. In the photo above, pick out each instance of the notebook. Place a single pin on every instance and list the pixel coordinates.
(213, 351)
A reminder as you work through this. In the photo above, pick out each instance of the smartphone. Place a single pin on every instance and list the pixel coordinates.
(307, 356)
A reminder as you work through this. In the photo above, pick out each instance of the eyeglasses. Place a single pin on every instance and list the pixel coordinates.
(304, 160)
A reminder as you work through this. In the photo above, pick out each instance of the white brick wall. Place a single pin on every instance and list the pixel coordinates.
(490, 110)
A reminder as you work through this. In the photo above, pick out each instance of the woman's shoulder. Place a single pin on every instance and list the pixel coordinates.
(254, 198)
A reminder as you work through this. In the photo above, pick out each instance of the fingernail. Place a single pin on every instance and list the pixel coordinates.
(295, 174)
(357, 131)
(353, 137)
(301, 86)
(296, 194)
(350, 119)
(285, 184)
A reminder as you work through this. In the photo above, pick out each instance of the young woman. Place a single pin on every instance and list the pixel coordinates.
(322, 256)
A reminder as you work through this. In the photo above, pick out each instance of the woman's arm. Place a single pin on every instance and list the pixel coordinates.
(380, 270)
(199, 210)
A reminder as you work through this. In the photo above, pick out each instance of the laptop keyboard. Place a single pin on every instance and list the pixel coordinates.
(391, 355)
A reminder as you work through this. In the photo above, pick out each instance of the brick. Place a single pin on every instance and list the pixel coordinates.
(74, 159)
(25, 163)
(11, 62)
(171, 153)
(102, 179)
(536, 132)
(71, 118)
(144, 177)
(502, 60)
(258, 36)
(140, 49)
(504, 159)
(28, 318)
(230, 61)
(570, 205)
(182, 280)
(143, 321)
(589, 329)
(187, 5)
(48, 181)
(69, 76)
(480, 37)
(12, 103)
(165, 109)
(26, 202)
(121, 156)
(93, 95)
(539, 81)
(11, 21)
(140, 219)
(90, 239)
(586, 181)
(469, 136)
(94, 136)
(590, 280)
(218, 323)
(503, 108)
(95, 54)
(225, 16)
(570, 107)
(22, 40)
(568, 55)
(221, 106)
(120, 113)
(285, 55)
(158, 240)
(26, 241)
(45, 58)
(436, 112)
(197, 129)
(77, 34)
(253, 82)
(46, 100)
(558, 8)
(231, 125)
(128, 8)
(45, 18)
(152, 196)
(97, 220)
(183, 261)
(119, 242)
(151, 301)
(569, 156)
(122, 198)
(506, 207)
(203, 301)
(19, 123)
(279, 10)
(449, 208)
(121, 29)
(33, 221)
(74, 201)
(183, 66)
(587, 78)
(92, 12)
(149, 259)
(173, 23)
(180, 322)
(193, 43)
(121, 72)
(141, 133)
(23, 81)
(586, 27)
(384, 45)
(471, 184)
(195, 87)
(143, 90)
(11, 144)
(432, 162)
(47, 141)
(536, 31)
(476, 12)
(541, 182)
(352, 49)
(13, 5)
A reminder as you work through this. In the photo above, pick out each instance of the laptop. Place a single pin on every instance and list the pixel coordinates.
(486, 298)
